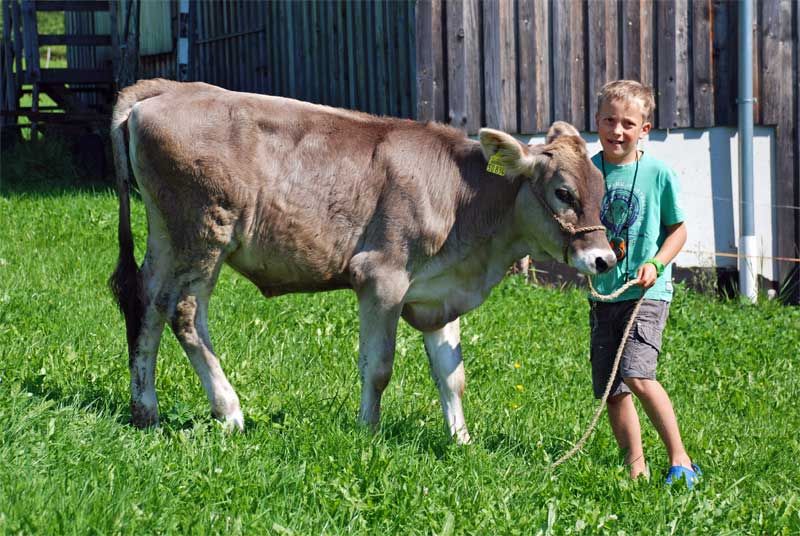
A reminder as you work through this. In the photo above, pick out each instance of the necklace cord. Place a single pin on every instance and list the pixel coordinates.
(627, 208)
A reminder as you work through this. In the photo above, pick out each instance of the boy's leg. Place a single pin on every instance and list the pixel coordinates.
(607, 321)
(657, 405)
(639, 374)
(627, 431)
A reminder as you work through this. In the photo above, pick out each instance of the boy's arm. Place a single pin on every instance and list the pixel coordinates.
(673, 243)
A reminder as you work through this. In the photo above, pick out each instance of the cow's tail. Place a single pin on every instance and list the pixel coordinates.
(126, 281)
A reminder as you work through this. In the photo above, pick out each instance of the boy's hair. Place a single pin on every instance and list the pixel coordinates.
(626, 90)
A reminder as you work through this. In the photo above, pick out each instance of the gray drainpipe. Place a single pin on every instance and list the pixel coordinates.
(747, 240)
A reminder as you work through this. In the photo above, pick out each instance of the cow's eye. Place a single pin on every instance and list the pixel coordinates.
(565, 196)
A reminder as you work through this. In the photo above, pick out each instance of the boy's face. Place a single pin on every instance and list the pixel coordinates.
(620, 126)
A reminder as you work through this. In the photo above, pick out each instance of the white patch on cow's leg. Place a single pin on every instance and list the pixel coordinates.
(190, 324)
(225, 403)
(447, 369)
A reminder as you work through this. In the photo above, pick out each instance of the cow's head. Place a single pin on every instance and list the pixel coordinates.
(558, 207)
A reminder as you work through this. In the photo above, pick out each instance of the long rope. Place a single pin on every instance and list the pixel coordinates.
(604, 297)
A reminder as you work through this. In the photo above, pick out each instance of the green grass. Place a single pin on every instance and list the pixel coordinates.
(71, 463)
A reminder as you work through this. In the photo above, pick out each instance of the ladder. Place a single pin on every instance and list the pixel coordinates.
(20, 67)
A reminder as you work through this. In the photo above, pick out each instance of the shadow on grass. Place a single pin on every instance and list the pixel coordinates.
(406, 430)
(89, 399)
(175, 419)
(47, 168)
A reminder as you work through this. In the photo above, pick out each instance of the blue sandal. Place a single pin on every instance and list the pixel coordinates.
(678, 472)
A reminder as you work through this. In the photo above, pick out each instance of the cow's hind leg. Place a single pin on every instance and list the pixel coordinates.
(447, 368)
(142, 363)
(189, 321)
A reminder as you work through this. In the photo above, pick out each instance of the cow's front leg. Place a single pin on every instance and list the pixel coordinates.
(447, 368)
(380, 303)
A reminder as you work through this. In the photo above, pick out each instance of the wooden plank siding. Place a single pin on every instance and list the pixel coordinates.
(702, 65)
(534, 60)
(517, 65)
(778, 94)
(347, 53)
(565, 50)
(568, 92)
(500, 73)
(603, 39)
(672, 56)
(638, 29)
(726, 71)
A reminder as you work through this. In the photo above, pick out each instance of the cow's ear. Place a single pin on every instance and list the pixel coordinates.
(560, 128)
(504, 154)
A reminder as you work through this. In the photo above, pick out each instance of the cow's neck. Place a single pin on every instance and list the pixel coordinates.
(492, 217)
(485, 221)
(485, 201)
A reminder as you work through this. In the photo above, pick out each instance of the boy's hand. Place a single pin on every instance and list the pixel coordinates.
(676, 238)
(647, 275)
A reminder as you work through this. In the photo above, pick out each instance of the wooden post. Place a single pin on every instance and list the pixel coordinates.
(129, 60)
(16, 25)
(10, 102)
(31, 44)
(114, 31)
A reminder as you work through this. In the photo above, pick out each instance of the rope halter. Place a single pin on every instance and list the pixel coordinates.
(569, 230)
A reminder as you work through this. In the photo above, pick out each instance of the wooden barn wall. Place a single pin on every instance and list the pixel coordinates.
(83, 57)
(351, 54)
(157, 35)
(163, 64)
(519, 65)
(516, 65)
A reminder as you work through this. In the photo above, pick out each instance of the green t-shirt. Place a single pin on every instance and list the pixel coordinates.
(640, 220)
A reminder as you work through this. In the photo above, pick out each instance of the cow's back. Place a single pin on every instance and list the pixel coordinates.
(291, 188)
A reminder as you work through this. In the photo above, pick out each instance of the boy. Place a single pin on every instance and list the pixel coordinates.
(640, 210)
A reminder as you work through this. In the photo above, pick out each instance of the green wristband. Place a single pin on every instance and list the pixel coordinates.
(658, 264)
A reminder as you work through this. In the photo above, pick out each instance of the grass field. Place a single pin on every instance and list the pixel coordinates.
(71, 463)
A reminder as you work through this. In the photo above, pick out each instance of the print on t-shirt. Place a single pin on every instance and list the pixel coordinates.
(619, 210)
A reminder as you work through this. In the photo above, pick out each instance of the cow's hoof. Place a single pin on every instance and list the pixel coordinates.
(233, 422)
(462, 437)
(143, 416)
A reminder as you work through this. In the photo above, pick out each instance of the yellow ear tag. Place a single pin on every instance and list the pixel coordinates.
(496, 165)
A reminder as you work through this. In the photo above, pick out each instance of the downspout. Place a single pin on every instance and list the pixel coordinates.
(748, 285)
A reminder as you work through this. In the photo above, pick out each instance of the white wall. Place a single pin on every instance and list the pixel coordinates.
(706, 162)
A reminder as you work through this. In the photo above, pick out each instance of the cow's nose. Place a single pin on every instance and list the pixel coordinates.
(601, 265)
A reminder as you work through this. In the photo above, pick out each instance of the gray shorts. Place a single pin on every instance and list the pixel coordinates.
(608, 321)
